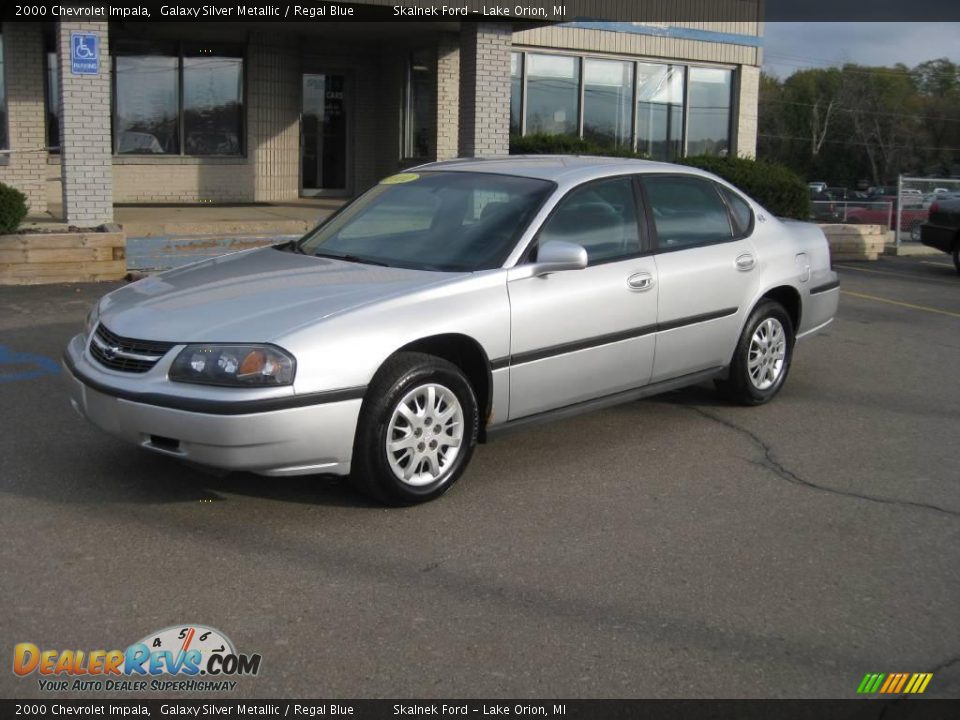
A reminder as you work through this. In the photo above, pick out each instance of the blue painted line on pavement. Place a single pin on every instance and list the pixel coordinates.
(16, 366)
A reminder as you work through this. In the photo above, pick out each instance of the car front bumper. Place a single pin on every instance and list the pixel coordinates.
(306, 439)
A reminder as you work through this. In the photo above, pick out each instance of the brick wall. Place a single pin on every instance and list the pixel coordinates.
(745, 119)
(485, 89)
(26, 167)
(86, 168)
(448, 97)
(274, 115)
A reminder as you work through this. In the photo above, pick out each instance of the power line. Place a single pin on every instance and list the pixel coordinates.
(859, 70)
(864, 112)
(859, 144)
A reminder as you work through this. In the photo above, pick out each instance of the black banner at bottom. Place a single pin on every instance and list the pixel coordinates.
(914, 709)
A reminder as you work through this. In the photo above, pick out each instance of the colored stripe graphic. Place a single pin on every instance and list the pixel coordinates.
(894, 683)
(871, 683)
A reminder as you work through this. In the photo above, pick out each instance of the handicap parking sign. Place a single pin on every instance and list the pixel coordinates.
(84, 54)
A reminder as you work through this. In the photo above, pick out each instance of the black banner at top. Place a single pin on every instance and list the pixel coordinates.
(525, 11)
(486, 709)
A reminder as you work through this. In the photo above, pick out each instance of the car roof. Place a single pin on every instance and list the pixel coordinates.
(559, 168)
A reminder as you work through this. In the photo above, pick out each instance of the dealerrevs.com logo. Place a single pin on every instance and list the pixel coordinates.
(178, 658)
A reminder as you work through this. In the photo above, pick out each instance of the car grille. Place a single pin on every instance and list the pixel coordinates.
(124, 354)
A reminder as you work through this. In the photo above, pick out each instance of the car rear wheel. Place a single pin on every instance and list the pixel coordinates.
(762, 358)
(417, 430)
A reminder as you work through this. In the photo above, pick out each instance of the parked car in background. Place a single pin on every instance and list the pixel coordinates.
(446, 303)
(817, 186)
(824, 208)
(839, 193)
(883, 211)
(942, 229)
(933, 197)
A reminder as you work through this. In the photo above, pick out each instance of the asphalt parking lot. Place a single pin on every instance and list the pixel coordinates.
(674, 547)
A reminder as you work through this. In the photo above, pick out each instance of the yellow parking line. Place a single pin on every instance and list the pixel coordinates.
(896, 274)
(901, 304)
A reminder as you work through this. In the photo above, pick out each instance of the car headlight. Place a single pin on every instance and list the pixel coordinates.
(233, 365)
(93, 317)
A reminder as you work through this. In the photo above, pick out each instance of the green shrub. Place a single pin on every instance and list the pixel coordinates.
(776, 187)
(13, 209)
(546, 144)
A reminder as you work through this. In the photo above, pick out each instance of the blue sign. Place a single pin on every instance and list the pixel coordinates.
(84, 54)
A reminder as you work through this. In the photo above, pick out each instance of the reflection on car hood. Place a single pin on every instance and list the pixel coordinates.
(251, 296)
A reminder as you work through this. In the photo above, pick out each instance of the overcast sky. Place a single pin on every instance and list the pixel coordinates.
(790, 46)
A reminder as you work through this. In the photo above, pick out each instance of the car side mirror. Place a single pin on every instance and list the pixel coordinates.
(557, 255)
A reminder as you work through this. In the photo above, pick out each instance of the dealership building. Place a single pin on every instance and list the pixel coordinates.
(96, 113)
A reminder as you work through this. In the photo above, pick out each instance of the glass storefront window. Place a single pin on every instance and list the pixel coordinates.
(608, 102)
(212, 102)
(660, 110)
(53, 102)
(553, 94)
(153, 115)
(419, 105)
(516, 92)
(4, 140)
(708, 111)
(147, 88)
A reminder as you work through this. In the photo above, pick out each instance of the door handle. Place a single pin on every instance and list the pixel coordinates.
(640, 281)
(745, 262)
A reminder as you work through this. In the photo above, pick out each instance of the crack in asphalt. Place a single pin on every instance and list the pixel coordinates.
(770, 463)
(944, 665)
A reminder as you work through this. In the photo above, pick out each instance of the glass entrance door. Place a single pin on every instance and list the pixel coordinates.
(324, 161)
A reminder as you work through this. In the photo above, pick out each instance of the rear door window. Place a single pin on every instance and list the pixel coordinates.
(687, 211)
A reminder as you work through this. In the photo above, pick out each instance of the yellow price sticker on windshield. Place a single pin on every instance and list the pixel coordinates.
(400, 178)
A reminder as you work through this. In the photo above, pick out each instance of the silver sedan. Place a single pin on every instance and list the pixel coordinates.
(449, 303)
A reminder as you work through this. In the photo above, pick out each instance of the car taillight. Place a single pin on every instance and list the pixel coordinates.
(935, 207)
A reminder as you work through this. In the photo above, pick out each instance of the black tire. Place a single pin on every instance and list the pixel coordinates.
(403, 373)
(738, 387)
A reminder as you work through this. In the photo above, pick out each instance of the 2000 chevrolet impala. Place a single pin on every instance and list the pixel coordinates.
(449, 302)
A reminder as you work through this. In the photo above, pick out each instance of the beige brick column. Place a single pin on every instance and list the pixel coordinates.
(25, 167)
(274, 116)
(85, 155)
(748, 100)
(448, 97)
(485, 89)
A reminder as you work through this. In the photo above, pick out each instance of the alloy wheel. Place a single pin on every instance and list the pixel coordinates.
(768, 349)
(424, 434)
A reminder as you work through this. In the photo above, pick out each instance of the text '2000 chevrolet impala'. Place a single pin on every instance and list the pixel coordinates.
(450, 302)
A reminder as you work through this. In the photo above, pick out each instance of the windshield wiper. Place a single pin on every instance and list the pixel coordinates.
(349, 258)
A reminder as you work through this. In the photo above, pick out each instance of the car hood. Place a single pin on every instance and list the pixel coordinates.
(251, 296)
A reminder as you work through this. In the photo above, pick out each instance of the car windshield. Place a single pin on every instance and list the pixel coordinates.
(449, 221)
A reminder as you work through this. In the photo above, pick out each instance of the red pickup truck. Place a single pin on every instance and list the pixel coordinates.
(911, 217)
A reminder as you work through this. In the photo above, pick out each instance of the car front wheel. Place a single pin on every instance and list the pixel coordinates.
(762, 358)
(417, 430)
